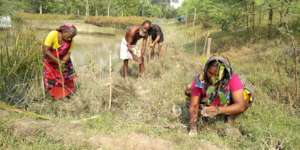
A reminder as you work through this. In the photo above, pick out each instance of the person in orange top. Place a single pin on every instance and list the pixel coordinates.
(58, 73)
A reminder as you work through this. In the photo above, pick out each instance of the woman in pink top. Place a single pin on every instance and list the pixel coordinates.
(218, 89)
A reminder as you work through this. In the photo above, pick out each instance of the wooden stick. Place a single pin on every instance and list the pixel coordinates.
(195, 44)
(61, 72)
(204, 48)
(110, 78)
(208, 46)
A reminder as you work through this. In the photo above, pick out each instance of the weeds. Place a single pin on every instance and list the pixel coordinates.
(20, 66)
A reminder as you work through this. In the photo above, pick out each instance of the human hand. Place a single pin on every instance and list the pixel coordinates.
(151, 45)
(129, 46)
(210, 111)
(188, 90)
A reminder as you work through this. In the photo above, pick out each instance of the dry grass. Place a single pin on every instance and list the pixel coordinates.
(145, 107)
(20, 65)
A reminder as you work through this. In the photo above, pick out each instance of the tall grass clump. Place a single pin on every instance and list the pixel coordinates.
(20, 65)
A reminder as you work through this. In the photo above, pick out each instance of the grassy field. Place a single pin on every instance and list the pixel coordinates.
(149, 112)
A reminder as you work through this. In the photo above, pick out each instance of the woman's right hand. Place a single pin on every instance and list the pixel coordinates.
(188, 90)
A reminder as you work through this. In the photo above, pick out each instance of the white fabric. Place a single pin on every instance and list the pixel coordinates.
(124, 52)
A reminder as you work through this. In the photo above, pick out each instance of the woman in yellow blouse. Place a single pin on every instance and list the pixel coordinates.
(59, 74)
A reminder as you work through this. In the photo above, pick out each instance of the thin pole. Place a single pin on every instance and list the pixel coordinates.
(208, 46)
(195, 36)
(110, 80)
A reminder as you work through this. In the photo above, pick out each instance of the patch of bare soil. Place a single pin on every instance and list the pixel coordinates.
(130, 142)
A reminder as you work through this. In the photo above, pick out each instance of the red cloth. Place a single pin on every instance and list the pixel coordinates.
(234, 84)
(59, 83)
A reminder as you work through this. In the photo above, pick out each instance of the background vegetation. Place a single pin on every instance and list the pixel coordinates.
(153, 109)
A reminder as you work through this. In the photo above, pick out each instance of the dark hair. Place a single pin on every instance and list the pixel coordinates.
(146, 22)
(227, 73)
(66, 28)
(206, 78)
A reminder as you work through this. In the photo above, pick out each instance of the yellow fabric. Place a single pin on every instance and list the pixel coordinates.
(247, 95)
(52, 40)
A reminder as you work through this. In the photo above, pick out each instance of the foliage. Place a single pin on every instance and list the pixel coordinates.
(89, 7)
(20, 67)
(237, 15)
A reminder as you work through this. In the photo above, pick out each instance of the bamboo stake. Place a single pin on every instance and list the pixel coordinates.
(195, 43)
(61, 72)
(208, 47)
(205, 42)
(110, 78)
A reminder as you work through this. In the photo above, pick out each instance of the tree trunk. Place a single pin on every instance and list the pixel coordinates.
(108, 8)
(247, 17)
(96, 12)
(295, 70)
(186, 19)
(195, 17)
(260, 16)
(78, 12)
(87, 8)
(41, 9)
(253, 16)
(270, 21)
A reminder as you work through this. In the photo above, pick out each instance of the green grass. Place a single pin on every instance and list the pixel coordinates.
(20, 65)
(144, 106)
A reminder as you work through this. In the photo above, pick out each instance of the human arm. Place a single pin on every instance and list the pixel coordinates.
(193, 111)
(155, 41)
(46, 51)
(238, 106)
(129, 37)
(144, 44)
(49, 44)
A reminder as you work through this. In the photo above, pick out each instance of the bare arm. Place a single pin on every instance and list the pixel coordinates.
(194, 110)
(156, 40)
(144, 44)
(47, 52)
(66, 58)
(238, 106)
(129, 36)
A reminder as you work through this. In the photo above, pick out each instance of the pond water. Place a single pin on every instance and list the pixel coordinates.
(91, 45)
